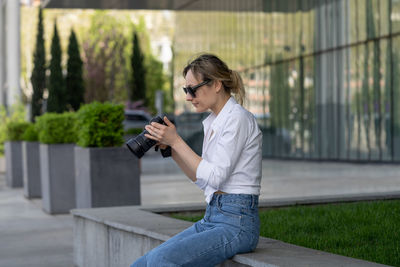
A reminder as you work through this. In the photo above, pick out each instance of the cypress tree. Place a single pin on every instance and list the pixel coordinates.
(138, 84)
(38, 78)
(57, 96)
(74, 81)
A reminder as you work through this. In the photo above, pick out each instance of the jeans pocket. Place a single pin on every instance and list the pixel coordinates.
(230, 210)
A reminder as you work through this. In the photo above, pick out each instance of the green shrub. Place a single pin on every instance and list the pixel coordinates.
(54, 128)
(30, 133)
(15, 130)
(17, 114)
(134, 131)
(3, 123)
(100, 125)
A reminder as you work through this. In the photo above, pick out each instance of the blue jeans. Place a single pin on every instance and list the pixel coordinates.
(230, 226)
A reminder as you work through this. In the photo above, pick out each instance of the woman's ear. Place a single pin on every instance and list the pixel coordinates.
(218, 86)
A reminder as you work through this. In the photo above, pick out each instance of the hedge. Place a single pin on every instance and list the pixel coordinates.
(30, 134)
(56, 128)
(100, 125)
(15, 130)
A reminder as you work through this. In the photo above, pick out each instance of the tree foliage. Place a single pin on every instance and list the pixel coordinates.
(74, 80)
(56, 101)
(157, 80)
(38, 77)
(138, 83)
(105, 56)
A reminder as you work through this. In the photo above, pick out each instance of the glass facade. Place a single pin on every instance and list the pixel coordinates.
(322, 76)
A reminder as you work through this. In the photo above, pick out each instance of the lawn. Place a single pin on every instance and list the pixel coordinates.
(364, 230)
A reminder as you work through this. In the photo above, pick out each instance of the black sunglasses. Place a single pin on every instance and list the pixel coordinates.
(192, 90)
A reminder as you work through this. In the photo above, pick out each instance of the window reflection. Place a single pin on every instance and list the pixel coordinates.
(322, 77)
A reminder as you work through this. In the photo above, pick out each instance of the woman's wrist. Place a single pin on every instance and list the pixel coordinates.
(176, 142)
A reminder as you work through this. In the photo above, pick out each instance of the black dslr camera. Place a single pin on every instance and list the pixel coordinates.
(140, 144)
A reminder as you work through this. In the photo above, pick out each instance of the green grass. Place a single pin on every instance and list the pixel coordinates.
(364, 230)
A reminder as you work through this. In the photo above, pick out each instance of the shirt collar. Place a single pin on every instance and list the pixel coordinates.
(216, 120)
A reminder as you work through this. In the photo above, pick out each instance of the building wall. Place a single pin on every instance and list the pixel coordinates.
(2, 52)
(322, 76)
(10, 91)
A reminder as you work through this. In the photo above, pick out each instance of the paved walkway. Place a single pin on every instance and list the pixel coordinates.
(164, 183)
(30, 237)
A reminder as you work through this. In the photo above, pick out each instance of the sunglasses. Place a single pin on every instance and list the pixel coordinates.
(192, 90)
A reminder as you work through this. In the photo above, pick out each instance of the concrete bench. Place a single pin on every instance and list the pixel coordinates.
(119, 235)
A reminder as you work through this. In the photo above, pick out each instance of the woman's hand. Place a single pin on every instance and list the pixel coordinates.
(163, 134)
(183, 155)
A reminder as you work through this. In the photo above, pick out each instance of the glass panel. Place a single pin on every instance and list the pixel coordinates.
(353, 20)
(265, 121)
(376, 104)
(347, 119)
(364, 103)
(312, 97)
(384, 16)
(355, 105)
(362, 20)
(395, 16)
(395, 99)
(376, 6)
(294, 109)
(309, 108)
(386, 142)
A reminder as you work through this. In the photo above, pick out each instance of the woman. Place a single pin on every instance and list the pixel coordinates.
(229, 170)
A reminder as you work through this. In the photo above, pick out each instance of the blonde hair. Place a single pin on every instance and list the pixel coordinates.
(210, 67)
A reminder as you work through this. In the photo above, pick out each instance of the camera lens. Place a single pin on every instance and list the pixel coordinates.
(140, 144)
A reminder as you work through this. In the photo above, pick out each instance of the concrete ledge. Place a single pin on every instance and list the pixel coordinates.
(282, 202)
(119, 235)
(326, 199)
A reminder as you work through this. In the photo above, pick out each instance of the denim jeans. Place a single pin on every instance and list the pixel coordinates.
(230, 226)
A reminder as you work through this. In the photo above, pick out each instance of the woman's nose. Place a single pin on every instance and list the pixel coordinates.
(189, 97)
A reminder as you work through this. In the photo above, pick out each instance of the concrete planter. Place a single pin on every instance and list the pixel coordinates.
(2, 165)
(396, 147)
(106, 177)
(57, 173)
(31, 169)
(14, 171)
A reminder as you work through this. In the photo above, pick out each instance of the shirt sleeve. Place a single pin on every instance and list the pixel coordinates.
(228, 150)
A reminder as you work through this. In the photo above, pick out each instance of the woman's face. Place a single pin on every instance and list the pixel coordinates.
(206, 95)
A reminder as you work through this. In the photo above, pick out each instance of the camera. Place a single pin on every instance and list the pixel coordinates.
(140, 144)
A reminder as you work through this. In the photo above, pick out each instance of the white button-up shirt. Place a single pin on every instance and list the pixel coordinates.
(232, 156)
